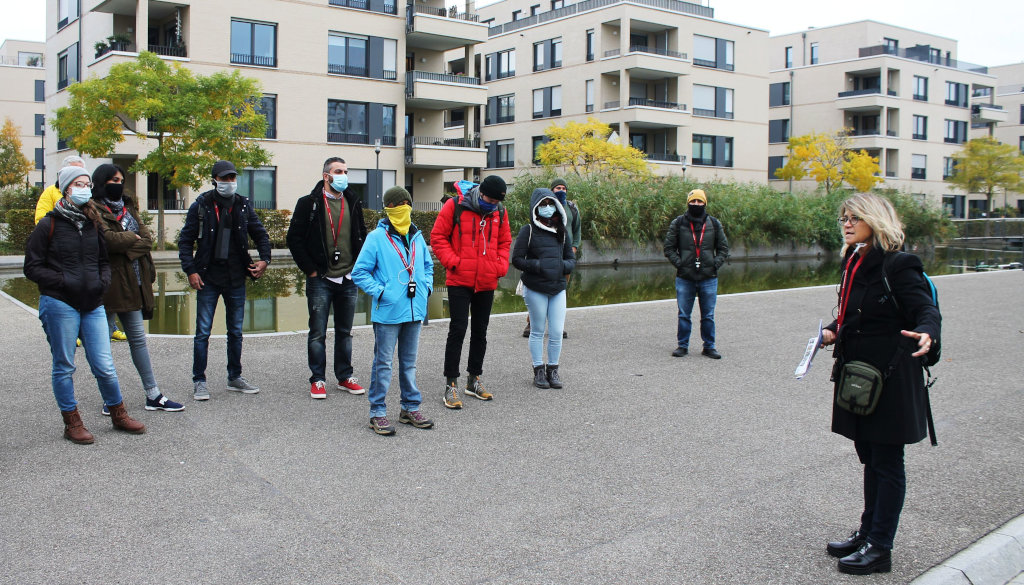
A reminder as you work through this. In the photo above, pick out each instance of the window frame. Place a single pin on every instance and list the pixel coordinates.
(345, 137)
(252, 60)
(345, 68)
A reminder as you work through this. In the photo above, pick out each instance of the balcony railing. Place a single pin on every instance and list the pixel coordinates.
(921, 97)
(505, 119)
(454, 123)
(890, 174)
(387, 7)
(452, 13)
(960, 103)
(713, 114)
(587, 5)
(656, 104)
(891, 133)
(247, 59)
(656, 51)
(919, 136)
(342, 69)
(169, 50)
(612, 105)
(952, 140)
(29, 62)
(976, 108)
(921, 54)
(411, 141)
(870, 91)
(662, 156)
(412, 76)
(348, 138)
(866, 132)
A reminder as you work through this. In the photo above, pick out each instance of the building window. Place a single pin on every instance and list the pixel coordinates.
(537, 141)
(1022, 113)
(505, 154)
(920, 88)
(918, 164)
(590, 95)
(956, 94)
(814, 53)
(346, 122)
(547, 102)
(500, 65)
(956, 132)
(347, 54)
(456, 118)
(556, 4)
(715, 151)
(67, 11)
(948, 167)
(789, 57)
(534, 9)
(67, 67)
(547, 54)
(920, 128)
(39, 159)
(40, 124)
(778, 94)
(40, 90)
(590, 45)
(506, 108)
(778, 131)
(774, 164)
(268, 107)
(891, 45)
(388, 125)
(253, 43)
(714, 102)
(713, 52)
(516, 14)
(259, 186)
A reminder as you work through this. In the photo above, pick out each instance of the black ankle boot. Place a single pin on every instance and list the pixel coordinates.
(866, 560)
(540, 378)
(553, 378)
(847, 546)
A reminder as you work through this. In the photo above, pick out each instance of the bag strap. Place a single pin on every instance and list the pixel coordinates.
(928, 407)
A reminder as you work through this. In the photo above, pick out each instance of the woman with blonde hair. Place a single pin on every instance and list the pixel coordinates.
(889, 335)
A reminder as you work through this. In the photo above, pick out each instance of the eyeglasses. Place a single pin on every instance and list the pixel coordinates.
(853, 219)
(81, 184)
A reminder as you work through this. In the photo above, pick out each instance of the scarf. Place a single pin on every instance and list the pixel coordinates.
(222, 247)
(128, 224)
(66, 209)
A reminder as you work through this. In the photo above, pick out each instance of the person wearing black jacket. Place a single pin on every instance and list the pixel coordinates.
(325, 236)
(66, 256)
(696, 245)
(543, 251)
(214, 251)
(891, 337)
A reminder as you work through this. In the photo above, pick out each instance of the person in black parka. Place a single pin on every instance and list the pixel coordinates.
(870, 328)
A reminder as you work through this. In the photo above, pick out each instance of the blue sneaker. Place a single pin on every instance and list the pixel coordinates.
(162, 403)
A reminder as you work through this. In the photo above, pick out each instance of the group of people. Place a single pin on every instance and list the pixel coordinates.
(90, 256)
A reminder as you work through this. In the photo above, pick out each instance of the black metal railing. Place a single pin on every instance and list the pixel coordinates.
(169, 50)
(917, 173)
(922, 54)
(411, 141)
(662, 156)
(976, 108)
(390, 75)
(612, 105)
(247, 59)
(271, 132)
(454, 123)
(612, 53)
(345, 137)
(866, 132)
(505, 119)
(713, 64)
(960, 103)
(919, 136)
(387, 7)
(953, 140)
(412, 76)
(657, 104)
(920, 97)
(171, 203)
(890, 174)
(587, 5)
(856, 92)
(891, 133)
(656, 51)
(342, 69)
(452, 13)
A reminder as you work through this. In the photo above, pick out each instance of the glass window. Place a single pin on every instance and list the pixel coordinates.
(703, 100)
(538, 103)
(538, 57)
(253, 43)
(703, 149)
(67, 66)
(918, 164)
(67, 11)
(346, 55)
(590, 45)
(920, 88)
(537, 141)
(704, 49)
(891, 45)
(590, 95)
(40, 90)
(814, 53)
(506, 108)
(268, 107)
(506, 153)
(258, 185)
(40, 124)
(948, 166)
(346, 122)
(556, 53)
(388, 122)
(556, 100)
(730, 52)
(920, 128)
(789, 57)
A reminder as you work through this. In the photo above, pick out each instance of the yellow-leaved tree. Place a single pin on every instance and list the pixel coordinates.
(829, 160)
(13, 164)
(584, 149)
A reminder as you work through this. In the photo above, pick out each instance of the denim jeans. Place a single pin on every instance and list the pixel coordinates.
(385, 336)
(206, 305)
(885, 486)
(135, 329)
(321, 296)
(462, 301)
(545, 310)
(706, 292)
(62, 323)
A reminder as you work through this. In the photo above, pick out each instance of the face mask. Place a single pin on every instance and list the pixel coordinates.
(546, 211)
(400, 217)
(561, 197)
(339, 182)
(80, 195)
(487, 207)
(113, 191)
(696, 211)
(225, 188)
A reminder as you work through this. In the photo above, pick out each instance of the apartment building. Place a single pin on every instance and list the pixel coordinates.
(1009, 97)
(903, 93)
(22, 98)
(687, 90)
(359, 79)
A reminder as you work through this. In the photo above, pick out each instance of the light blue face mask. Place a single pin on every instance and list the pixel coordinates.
(80, 195)
(339, 182)
(546, 211)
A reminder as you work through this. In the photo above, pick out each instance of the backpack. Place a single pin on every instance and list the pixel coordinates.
(935, 353)
(462, 188)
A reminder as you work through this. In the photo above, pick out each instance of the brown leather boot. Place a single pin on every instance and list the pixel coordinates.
(74, 429)
(123, 422)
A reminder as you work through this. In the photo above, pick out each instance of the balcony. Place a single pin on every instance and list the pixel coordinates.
(438, 29)
(383, 7)
(645, 113)
(645, 62)
(441, 91)
(921, 53)
(662, 157)
(249, 59)
(872, 139)
(864, 100)
(989, 113)
(676, 6)
(428, 152)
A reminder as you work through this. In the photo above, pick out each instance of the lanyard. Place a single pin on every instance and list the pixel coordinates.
(410, 265)
(693, 233)
(845, 286)
(119, 215)
(216, 209)
(330, 218)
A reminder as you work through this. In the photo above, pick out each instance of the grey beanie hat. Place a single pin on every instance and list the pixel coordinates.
(67, 175)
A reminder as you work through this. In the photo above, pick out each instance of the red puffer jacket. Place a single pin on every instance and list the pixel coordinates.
(475, 252)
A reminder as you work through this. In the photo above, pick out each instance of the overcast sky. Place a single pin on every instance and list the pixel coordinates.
(989, 31)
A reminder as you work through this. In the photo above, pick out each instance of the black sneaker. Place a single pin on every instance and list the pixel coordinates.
(680, 352)
(415, 418)
(711, 353)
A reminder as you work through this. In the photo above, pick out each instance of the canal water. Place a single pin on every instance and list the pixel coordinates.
(277, 302)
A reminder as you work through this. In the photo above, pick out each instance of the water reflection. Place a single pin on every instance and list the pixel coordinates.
(277, 302)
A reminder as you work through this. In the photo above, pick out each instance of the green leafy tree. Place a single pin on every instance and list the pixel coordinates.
(984, 165)
(13, 164)
(584, 148)
(830, 160)
(195, 120)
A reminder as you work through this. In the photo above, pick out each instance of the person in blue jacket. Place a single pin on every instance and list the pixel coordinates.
(395, 270)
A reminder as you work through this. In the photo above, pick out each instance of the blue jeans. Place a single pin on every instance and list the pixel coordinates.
(206, 304)
(385, 336)
(706, 292)
(885, 487)
(545, 310)
(321, 296)
(62, 324)
(135, 329)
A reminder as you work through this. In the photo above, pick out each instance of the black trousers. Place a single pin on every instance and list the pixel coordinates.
(462, 301)
(885, 486)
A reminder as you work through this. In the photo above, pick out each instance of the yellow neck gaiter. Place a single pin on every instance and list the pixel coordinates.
(400, 217)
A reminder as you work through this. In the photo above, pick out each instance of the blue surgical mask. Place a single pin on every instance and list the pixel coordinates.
(80, 195)
(487, 207)
(546, 211)
(225, 188)
(339, 182)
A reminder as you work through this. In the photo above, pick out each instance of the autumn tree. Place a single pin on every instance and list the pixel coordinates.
(13, 164)
(830, 160)
(984, 165)
(195, 120)
(584, 149)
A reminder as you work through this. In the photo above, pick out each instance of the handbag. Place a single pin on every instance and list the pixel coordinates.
(860, 387)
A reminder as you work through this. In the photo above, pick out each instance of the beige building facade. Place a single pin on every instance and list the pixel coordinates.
(22, 98)
(1009, 97)
(902, 93)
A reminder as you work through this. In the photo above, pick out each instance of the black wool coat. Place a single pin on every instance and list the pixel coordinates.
(871, 333)
(307, 234)
(67, 264)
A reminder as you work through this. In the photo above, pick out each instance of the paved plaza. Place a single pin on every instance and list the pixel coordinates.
(644, 469)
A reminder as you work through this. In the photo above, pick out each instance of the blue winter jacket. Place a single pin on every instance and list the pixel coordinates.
(381, 274)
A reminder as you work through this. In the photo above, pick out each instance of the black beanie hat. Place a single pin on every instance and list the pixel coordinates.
(494, 187)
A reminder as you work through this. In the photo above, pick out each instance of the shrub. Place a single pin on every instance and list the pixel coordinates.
(20, 223)
(275, 221)
(19, 197)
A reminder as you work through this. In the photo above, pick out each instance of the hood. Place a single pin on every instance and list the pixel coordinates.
(471, 200)
(539, 194)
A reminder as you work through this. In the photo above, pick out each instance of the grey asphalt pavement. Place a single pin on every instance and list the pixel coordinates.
(644, 469)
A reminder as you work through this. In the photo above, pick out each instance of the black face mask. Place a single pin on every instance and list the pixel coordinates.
(113, 191)
(696, 211)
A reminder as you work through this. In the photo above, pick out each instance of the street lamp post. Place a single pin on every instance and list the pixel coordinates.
(380, 180)
(684, 167)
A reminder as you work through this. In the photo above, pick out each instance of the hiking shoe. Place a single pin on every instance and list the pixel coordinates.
(318, 389)
(349, 385)
(416, 419)
(381, 425)
(199, 391)
(680, 352)
(161, 402)
(475, 387)
(451, 394)
(118, 335)
(242, 385)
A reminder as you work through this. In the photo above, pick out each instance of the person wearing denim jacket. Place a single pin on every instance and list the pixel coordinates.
(394, 268)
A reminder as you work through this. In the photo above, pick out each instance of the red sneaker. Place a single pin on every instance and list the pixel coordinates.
(351, 386)
(318, 389)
